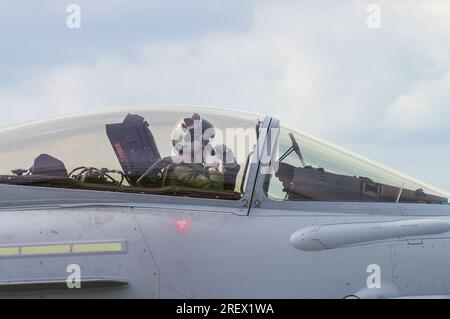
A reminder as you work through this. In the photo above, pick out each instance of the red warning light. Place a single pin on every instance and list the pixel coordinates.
(181, 226)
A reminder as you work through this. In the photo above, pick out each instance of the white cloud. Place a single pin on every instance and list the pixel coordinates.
(425, 108)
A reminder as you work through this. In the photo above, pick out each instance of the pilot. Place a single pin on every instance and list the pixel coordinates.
(196, 162)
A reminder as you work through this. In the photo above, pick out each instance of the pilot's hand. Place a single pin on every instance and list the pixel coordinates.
(211, 162)
(225, 154)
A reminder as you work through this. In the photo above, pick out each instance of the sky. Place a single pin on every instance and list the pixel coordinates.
(382, 92)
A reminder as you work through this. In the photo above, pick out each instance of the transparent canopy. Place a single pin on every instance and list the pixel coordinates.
(324, 172)
(126, 151)
(97, 140)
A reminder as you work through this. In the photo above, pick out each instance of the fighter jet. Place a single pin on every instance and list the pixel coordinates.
(193, 202)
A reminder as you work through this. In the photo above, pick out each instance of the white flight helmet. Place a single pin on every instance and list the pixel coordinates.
(189, 135)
